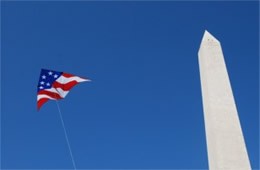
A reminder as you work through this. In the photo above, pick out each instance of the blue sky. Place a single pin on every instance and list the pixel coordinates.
(143, 108)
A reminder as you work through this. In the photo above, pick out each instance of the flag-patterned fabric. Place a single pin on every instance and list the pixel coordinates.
(55, 85)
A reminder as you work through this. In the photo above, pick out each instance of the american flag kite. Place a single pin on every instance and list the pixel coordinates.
(55, 85)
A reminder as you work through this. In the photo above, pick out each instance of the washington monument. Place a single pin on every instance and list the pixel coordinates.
(225, 142)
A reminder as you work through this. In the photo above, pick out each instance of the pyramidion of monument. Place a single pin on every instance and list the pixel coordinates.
(209, 39)
(225, 142)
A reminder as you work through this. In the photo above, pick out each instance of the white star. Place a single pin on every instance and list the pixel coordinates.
(43, 77)
(42, 82)
(55, 76)
(50, 73)
(41, 87)
(48, 84)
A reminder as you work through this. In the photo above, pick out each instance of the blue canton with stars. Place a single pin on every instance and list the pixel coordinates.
(47, 78)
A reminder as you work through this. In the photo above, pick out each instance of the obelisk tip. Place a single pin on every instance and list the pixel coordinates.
(209, 38)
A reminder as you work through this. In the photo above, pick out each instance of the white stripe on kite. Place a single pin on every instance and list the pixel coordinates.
(40, 96)
(64, 80)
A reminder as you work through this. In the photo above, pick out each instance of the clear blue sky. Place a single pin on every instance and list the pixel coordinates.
(143, 108)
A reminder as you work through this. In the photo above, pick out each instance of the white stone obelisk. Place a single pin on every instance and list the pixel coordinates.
(225, 141)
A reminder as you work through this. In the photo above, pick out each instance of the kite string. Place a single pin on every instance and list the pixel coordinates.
(63, 125)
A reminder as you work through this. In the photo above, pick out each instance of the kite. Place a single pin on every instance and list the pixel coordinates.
(54, 85)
